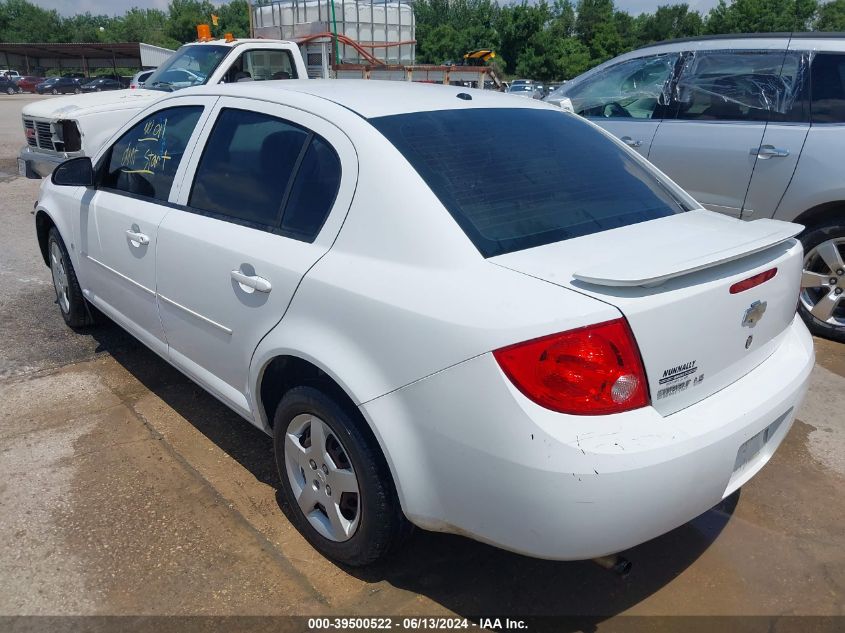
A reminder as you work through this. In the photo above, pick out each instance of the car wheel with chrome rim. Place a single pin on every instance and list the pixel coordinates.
(72, 304)
(822, 297)
(335, 480)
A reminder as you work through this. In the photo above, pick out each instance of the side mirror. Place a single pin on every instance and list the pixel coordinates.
(76, 172)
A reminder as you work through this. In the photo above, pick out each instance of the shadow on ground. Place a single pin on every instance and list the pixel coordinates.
(466, 577)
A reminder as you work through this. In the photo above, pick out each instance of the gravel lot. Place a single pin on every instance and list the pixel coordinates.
(126, 489)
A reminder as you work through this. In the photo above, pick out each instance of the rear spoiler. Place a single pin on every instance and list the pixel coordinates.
(696, 251)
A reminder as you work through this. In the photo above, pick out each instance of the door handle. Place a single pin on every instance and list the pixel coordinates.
(137, 238)
(252, 281)
(769, 151)
(631, 142)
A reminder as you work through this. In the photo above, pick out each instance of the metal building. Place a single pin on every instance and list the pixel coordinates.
(87, 57)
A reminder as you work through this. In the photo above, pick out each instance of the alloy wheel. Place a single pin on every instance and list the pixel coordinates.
(823, 282)
(57, 267)
(322, 478)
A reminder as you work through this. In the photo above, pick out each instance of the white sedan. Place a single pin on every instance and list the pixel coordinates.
(528, 336)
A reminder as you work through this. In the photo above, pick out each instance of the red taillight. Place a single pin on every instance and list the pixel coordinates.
(751, 282)
(594, 370)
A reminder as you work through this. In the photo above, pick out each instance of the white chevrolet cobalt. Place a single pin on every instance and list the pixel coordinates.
(454, 309)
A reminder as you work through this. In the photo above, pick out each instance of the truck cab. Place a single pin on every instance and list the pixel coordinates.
(67, 127)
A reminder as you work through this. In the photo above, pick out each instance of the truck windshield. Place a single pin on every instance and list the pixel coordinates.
(515, 178)
(190, 66)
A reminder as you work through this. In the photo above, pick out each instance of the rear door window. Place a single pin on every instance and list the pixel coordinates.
(539, 176)
(266, 173)
(761, 86)
(143, 162)
(828, 88)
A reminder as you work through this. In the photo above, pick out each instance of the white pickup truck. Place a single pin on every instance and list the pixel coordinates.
(76, 125)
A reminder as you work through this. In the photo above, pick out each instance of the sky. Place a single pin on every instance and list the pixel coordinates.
(113, 7)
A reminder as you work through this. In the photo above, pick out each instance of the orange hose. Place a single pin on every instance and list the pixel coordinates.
(357, 45)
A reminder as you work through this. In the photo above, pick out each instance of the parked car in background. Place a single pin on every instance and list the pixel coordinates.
(751, 126)
(563, 358)
(29, 82)
(176, 79)
(139, 78)
(100, 84)
(529, 90)
(59, 85)
(14, 75)
(8, 86)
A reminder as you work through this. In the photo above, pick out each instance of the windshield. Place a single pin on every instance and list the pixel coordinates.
(191, 65)
(542, 177)
(521, 88)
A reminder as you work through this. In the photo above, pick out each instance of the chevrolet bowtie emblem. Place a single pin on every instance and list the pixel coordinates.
(754, 313)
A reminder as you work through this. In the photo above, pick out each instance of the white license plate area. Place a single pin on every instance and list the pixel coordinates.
(752, 448)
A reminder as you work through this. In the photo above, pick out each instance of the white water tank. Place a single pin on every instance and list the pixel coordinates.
(384, 28)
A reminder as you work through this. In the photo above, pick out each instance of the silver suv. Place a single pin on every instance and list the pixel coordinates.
(752, 126)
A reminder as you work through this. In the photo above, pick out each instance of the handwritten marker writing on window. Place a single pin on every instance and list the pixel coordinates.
(154, 131)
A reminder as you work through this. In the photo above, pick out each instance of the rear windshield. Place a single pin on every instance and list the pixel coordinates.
(514, 178)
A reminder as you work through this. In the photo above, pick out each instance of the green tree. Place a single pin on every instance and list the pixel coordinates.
(445, 30)
(144, 25)
(563, 18)
(183, 17)
(670, 22)
(761, 16)
(234, 18)
(22, 21)
(831, 16)
(550, 58)
(592, 16)
(516, 26)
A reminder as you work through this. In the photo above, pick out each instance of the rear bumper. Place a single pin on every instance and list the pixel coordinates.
(471, 455)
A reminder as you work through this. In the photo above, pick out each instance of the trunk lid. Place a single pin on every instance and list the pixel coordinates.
(671, 279)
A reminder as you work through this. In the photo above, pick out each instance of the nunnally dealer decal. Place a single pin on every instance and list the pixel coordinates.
(678, 378)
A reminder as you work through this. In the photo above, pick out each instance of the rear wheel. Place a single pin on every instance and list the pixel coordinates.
(76, 91)
(335, 480)
(73, 306)
(55, 92)
(822, 298)
(10, 90)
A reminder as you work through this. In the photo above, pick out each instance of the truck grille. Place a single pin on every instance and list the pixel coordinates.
(45, 135)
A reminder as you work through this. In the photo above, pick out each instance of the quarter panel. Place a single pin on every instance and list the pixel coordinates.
(818, 178)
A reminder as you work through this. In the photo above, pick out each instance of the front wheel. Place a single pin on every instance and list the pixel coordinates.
(335, 480)
(822, 298)
(76, 91)
(72, 303)
(55, 92)
(10, 91)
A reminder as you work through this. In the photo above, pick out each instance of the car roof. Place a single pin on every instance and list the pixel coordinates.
(798, 41)
(371, 98)
(750, 36)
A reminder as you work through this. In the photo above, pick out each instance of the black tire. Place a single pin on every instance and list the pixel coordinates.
(55, 92)
(812, 238)
(76, 313)
(10, 91)
(76, 91)
(382, 526)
